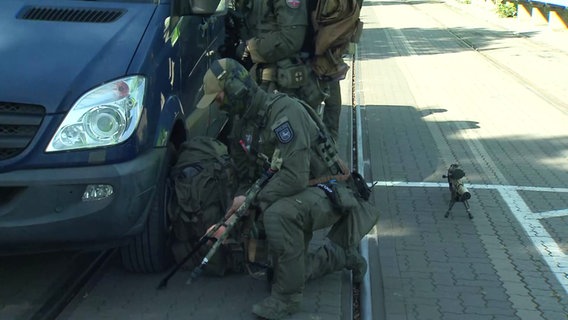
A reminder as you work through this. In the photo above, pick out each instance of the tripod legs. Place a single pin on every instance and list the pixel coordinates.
(466, 205)
(452, 202)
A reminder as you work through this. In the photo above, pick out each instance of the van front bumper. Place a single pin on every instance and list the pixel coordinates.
(43, 208)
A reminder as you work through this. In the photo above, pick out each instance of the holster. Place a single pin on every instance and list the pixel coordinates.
(340, 196)
(363, 190)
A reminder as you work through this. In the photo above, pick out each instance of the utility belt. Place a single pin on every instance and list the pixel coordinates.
(289, 73)
(293, 76)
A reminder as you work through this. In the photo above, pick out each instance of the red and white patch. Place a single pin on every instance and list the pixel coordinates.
(293, 3)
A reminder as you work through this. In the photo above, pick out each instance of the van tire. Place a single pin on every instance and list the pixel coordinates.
(149, 251)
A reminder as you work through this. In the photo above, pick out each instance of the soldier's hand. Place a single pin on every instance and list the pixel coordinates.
(237, 202)
(217, 234)
(243, 54)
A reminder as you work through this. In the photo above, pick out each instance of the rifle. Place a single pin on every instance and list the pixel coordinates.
(227, 223)
(458, 191)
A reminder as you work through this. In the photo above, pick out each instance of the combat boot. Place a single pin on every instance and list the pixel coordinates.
(358, 266)
(273, 308)
(325, 260)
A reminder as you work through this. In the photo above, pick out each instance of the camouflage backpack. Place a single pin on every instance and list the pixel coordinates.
(204, 182)
(336, 25)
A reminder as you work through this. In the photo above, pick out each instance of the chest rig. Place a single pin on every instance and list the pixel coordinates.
(250, 127)
(325, 146)
(327, 149)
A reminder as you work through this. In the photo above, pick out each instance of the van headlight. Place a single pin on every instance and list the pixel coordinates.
(104, 116)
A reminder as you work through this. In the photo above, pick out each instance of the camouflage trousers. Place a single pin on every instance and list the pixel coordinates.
(289, 224)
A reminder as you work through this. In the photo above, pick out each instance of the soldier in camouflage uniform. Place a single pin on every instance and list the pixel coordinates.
(274, 35)
(311, 190)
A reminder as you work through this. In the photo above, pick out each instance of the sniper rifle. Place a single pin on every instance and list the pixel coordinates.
(458, 190)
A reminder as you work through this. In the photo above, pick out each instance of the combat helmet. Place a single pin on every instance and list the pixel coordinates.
(225, 75)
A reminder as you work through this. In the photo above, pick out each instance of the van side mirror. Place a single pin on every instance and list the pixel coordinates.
(200, 7)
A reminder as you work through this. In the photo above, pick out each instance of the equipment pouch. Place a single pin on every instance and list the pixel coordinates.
(363, 189)
(341, 197)
(330, 192)
(314, 91)
(291, 74)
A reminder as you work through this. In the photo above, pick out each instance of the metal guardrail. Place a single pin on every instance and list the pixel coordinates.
(557, 3)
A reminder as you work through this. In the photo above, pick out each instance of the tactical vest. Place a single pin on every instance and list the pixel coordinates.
(327, 149)
(292, 75)
(325, 146)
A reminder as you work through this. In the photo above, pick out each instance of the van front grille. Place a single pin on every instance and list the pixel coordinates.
(71, 14)
(18, 126)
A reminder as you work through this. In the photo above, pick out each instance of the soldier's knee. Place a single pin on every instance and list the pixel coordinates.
(282, 226)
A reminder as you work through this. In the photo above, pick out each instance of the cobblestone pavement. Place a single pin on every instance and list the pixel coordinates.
(494, 102)
(438, 83)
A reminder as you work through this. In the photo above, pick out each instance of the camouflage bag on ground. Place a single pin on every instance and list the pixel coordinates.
(204, 182)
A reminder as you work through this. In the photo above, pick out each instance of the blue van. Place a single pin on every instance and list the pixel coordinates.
(95, 97)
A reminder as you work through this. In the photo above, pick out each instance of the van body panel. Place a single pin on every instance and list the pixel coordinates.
(98, 52)
(52, 64)
(47, 211)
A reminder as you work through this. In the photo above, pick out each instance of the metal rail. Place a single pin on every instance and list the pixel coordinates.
(82, 272)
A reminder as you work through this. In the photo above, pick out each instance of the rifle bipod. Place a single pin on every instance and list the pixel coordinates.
(466, 205)
(202, 241)
(458, 191)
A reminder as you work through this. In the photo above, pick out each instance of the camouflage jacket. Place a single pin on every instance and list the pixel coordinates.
(277, 121)
(276, 29)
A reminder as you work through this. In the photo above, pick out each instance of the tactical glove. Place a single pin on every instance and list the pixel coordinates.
(243, 54)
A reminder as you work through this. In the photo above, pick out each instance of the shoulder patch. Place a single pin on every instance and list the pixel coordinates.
(294, 4)
(284, 132)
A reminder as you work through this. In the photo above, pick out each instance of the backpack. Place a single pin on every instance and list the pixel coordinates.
(203, 184)
(336, 25)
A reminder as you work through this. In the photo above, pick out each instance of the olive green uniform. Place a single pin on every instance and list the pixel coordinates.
(275, 29)
(292, 209)
(275, 33)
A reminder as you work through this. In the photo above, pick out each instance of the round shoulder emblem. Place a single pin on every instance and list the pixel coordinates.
(284, 132)
(293, 3)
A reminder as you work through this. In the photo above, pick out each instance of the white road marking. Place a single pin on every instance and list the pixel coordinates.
(542, 240)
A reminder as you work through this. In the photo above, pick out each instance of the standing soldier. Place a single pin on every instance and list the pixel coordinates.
(312, 190)
(273, 34)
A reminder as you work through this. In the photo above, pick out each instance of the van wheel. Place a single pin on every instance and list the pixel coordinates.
(150, 250)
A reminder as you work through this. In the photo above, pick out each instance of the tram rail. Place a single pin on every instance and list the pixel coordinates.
(83, 272)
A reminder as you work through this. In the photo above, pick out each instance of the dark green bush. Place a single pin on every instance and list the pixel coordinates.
(507, 9)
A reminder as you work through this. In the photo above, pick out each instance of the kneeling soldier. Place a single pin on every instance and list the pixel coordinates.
(311, 191)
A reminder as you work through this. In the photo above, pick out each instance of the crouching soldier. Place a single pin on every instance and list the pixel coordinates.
(312, 190)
